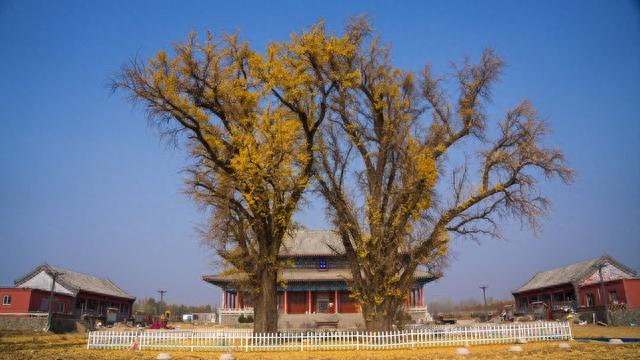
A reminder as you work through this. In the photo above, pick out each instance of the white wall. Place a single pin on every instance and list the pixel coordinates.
(43, 281)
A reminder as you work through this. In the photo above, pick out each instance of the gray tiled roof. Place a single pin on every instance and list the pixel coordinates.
(312, 242)
(568, 274)
(294, 275)
(78, 281)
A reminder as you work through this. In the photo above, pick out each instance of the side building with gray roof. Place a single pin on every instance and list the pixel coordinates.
(578, 287)
(76, 295)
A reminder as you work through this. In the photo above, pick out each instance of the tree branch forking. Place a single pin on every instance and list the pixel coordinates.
(388, 210)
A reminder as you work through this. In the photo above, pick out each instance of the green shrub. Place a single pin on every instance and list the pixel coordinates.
(245, 319)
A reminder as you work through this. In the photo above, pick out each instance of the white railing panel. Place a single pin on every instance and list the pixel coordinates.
(244, 340)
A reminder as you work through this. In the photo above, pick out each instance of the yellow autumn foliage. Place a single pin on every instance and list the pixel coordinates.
(250, 121)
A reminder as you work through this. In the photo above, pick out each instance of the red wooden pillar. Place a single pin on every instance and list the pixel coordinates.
(286, 300)
(224, 299)
(335, 301)
(238, 300)
(309, 300)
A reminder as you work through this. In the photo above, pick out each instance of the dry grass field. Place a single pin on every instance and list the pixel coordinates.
(73, 346)
(600, 331)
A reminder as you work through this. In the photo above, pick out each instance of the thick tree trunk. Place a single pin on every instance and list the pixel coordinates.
(375, 318)
(266, 303)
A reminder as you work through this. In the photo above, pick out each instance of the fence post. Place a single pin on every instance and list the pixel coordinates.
(519, 332)
(466, 336)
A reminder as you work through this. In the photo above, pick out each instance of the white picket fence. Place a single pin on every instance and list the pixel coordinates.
(242, 340)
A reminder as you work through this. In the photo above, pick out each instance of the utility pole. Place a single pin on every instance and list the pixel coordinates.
(484, 293)
(162, 292)
(603, 294)
(54, 277)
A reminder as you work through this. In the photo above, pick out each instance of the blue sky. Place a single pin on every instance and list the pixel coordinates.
(86, 184)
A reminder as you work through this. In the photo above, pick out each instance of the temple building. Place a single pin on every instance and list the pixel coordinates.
(317, 290)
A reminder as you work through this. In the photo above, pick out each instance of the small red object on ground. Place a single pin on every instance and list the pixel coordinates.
(160, 324)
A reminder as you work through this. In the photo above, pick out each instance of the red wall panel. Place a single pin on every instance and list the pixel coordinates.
(347, 305)
(632, 292)
(25, 300)
(297, 302)
(594, 289)
(19, 300)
